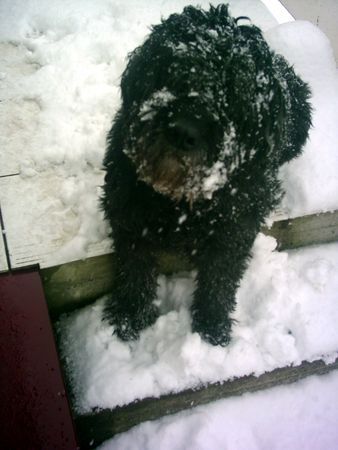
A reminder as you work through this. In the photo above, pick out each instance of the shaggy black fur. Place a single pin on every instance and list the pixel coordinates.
(209, 113)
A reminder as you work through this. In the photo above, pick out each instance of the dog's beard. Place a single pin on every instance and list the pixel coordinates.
(166, 174)
(178, 175)
(175, 177)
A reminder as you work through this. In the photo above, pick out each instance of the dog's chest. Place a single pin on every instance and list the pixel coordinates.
(167, 224)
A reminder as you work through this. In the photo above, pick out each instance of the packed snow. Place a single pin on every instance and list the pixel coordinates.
(158, 99)
(61, 63)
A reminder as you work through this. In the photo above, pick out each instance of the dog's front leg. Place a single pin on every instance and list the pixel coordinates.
(220, 269)
(131, 308)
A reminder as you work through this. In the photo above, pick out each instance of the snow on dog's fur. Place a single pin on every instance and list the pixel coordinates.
(209, 113)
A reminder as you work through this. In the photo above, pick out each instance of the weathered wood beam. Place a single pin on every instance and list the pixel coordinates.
(99, 426)
(75, 284)
(314, 229)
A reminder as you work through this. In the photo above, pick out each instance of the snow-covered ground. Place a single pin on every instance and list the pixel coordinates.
(60, 66)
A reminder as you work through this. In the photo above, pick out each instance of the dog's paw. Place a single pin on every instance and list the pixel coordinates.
(216, 331)
(128, 324)
(125, 329)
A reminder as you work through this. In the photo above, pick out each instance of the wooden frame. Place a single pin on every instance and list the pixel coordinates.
(314, 229)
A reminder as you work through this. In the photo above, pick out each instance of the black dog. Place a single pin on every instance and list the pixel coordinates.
(209, 113)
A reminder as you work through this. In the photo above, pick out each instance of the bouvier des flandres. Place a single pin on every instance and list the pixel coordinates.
(209, 113)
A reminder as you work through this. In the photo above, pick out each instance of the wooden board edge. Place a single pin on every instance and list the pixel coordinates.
(95, 428)
(312, 229)
(74, 284)
(78, 283)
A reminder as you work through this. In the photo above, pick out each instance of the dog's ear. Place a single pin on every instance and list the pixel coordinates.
(146, 71)
(289, 117)
(135, 77)
(294, 96)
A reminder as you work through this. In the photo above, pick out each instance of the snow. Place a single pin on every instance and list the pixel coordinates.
(279, 11)
(215, 178)
(158, 99)
(311, 181)
(61, 63)
(303, 415)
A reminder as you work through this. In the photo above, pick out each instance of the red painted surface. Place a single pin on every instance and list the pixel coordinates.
(34, 410)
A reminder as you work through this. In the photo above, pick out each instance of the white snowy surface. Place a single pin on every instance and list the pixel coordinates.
(311, 181)
(60, 68)
(287, 312)
(295, 417)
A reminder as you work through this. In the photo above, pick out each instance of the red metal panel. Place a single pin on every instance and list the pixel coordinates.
(34, 410)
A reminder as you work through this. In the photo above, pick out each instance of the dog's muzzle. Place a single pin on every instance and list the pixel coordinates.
(174, 159)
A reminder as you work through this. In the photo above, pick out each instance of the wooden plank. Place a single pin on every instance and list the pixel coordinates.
(74, 284)
(99, 426)
(34, 411)
(314, 229)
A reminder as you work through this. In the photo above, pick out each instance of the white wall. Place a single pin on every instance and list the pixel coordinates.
(323, 13)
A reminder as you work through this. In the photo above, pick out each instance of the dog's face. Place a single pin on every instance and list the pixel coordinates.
(202, 100)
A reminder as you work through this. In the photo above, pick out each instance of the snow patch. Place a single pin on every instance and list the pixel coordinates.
(159, 99)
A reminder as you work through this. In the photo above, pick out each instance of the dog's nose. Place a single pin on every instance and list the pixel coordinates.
(186, 136)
